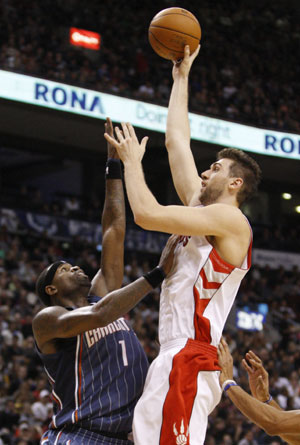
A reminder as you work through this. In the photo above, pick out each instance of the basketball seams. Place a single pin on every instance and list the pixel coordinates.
(175, 13)
(174, 30)
(170, 49)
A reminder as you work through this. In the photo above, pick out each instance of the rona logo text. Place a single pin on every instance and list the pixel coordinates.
(68, 97)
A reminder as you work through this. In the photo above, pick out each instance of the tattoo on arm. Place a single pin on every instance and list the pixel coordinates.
(121, 301)
(114, 205)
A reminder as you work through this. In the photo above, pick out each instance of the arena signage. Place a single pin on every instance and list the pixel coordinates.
(275, 259)
(70, 97)
(91, 103)
(84, 38)
(250, 321)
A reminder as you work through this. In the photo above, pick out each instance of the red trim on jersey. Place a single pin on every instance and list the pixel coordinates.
(177, 410)
(208, 284)
(201, 324)
(249, 256)
(220, 265)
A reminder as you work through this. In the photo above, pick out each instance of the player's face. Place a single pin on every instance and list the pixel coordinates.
(70, 278)
(215, 181)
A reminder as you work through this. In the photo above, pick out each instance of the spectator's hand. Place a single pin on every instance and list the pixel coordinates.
(225, 362)
(111, 151)
(167, 255)
(258, 376)
(182, 67)
(127, 144)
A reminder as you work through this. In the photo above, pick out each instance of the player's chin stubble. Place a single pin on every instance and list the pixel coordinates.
(210, 195)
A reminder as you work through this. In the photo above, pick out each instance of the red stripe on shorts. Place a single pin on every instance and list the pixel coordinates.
(194, 357)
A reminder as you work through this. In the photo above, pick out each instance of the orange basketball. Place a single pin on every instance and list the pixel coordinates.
(171, 29)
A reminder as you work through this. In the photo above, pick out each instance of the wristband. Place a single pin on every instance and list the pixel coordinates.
(155, 276)
(269, 399)
(113, 169)
(227, 384)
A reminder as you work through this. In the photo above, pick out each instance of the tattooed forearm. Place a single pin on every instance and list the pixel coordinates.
(114, 205)
(119, 302)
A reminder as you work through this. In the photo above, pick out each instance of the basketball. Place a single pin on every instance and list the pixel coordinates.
(171, 29)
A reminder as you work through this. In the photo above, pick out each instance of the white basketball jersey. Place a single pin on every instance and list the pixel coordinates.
(198, 294)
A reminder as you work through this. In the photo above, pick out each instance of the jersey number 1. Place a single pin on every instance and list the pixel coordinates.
(124, 355)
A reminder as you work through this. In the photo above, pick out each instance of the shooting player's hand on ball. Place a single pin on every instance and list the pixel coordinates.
(182, 67)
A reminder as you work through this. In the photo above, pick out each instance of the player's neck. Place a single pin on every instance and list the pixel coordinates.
(227, 199)
(76, 300)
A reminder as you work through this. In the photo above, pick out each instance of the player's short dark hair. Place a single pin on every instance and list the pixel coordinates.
(45, 278)
(245, 167)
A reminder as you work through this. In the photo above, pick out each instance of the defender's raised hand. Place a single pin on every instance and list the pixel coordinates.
(111, 151)
(127, 144)
(258, 376)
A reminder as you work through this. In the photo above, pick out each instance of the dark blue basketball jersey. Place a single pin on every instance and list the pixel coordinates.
(97, 378)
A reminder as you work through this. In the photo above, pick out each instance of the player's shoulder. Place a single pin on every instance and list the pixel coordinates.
(231, 218)
(45, 315)
(223, 210)
(227, 209)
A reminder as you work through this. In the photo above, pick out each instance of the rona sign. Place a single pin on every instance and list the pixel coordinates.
(85, 102)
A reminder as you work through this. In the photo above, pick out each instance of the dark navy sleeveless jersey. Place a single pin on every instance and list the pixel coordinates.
(97, 378)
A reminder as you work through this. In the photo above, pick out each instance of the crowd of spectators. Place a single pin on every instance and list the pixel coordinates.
(25, 400)
(282, 236)
(248, 68)
(32, 199)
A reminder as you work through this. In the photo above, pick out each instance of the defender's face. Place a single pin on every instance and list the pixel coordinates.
(215, 181)
(68, 279)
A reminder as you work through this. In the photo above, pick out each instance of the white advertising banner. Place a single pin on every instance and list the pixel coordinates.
(58, 96)
(274, 259)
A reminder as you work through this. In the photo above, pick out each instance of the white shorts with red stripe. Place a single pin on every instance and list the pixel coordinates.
(178, 395)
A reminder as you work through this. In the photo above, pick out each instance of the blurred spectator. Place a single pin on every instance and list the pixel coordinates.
(43, 407)
(71, 206)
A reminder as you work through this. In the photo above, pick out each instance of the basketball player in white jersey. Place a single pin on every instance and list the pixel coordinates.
(182, 385)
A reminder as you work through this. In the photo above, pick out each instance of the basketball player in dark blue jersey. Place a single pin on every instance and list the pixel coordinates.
(93, 359)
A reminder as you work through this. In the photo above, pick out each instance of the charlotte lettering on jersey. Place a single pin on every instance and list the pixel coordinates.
(95, 335)
(65, 96)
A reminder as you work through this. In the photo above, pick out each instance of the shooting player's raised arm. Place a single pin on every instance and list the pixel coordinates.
(184, 172)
